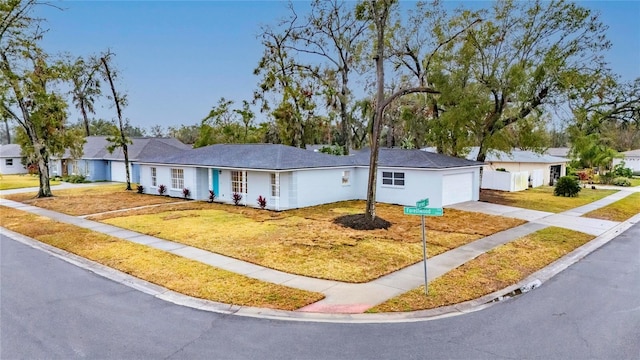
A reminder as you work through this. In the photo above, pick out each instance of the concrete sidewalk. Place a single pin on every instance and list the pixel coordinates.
(352, 298)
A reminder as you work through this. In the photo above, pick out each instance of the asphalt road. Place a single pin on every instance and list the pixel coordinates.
(51, 309)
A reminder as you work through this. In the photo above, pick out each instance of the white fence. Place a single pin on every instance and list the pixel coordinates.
(510, 181)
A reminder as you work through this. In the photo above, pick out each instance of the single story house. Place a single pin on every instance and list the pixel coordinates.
(98, 164)
(631, 160)
(290, 177)
(11, 160)
(525, 168)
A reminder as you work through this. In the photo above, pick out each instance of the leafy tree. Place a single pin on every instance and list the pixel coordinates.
(379, 12)
(226, 125)
(281, 75)
(85, 77)
(333, 36)
(526, 55)
(185, 134)
(101, 127)
(157, 131)
(27, 80)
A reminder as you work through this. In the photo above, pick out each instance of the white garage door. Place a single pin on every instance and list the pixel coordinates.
(118, 172)
(457, 188)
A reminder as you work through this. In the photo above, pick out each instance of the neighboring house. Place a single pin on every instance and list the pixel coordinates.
(559, 151)
(11, 160)
(631, 160)
(524, 168)
(290, 177)
(97, 164)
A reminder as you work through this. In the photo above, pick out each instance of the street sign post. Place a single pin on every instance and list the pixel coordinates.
(422, 210)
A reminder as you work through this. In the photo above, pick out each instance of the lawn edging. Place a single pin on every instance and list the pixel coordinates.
(481, 303)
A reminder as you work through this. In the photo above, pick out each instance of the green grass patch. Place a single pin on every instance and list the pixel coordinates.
(501, 267)
(635, 181)
(20, 181)
(620, 210)
(179, 274)
(542, 198)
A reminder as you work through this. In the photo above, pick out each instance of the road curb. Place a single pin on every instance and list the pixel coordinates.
(539, 277)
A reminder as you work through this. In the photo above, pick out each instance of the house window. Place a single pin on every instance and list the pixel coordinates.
(392, 178)
(238, 182)
(275, 185)
(74, 168)
(54, 167)
(8, 162)
(154, 179)
(177, 178)
(345, 177)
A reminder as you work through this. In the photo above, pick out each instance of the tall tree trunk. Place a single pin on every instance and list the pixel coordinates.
(85, 118)
(344, 115)
(123, 138)
(380, 23)
(7, 129)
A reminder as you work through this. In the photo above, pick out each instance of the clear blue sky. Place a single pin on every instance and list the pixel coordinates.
(178, 58)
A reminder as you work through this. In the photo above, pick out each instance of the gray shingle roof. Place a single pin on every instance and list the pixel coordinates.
(414, 159)
(281, 157)
(10, 151)
(96, 148)
(252, 156)
(632, 153)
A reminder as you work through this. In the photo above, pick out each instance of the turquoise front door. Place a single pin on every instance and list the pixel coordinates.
(216, 185)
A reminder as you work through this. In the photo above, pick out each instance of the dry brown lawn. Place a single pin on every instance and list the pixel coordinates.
(156, 266)
(19, 181)
(620, 210)
(91, 200)
(306, 241)
(542, 198)
(499, 268)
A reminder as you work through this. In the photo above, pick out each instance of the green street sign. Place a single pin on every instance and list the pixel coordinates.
(422, 203)
(409, 210)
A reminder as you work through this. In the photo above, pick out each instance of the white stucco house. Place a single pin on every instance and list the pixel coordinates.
(290, 177)
(11, 160)
(631, 160)
(517, 170)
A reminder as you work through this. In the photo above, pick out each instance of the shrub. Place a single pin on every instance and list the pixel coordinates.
(621, 181)
(620, 171)
(185, 193)
(75, 179)
(33, 169)
(583, 175)
(262, 202)
(567, 186)
(212, 196)
(140, 189)
(236, 198)
(607, 178)
(162, 189)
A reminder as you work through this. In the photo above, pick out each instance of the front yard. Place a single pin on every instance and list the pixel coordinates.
(91, 199)
(20, 181)
(306, 241)
(497, 269)
(542, 198)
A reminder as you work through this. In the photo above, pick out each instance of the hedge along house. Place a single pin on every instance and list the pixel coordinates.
(11, 160)
(290, 177)
(98, 164)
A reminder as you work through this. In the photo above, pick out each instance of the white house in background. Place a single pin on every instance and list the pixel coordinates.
(290, 177)
(518, 170)
(631, 160)
(11, 160)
